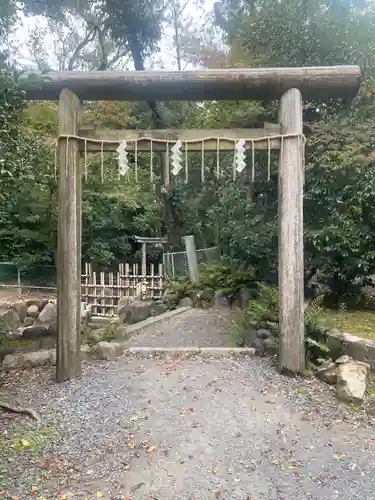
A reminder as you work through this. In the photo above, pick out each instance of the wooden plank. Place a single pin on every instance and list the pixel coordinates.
(174, 135)
(68, 364)
(265, 84)
(292, 348)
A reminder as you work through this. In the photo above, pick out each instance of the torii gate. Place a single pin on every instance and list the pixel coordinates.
(290, 85)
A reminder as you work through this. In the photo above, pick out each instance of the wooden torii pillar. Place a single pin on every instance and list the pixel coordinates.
(288, 84)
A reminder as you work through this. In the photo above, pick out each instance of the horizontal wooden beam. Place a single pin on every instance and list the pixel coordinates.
(201, 85)
(174, 135)
(150, 240)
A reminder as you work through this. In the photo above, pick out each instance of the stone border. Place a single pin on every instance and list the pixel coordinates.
(154, 319)
(102, 321)
(111, 350)
(357, 348)
(190, 351)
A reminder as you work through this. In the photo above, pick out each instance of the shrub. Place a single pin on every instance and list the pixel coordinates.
(265, 309)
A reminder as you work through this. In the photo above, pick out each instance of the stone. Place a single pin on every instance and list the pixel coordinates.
(85, 353)
(35, 332)
(352, 381)
(221, 300)
(273, 327)
(9, 320)
(262, 333)
(123, 303)
(48, 319)
(186, 302)
(171, 300)
(33, 311)
(258, 345)
(204, 304)
(158, 308)
(207, 295)
(135, 311)
(40, 303)
(343, 359)
(108, 350)
(28, 321)
(244, 296)
(327, 372)
(250, 337)
(15, 335)
(271, 346)
(21, 309)
(28, 360)
(357, 348)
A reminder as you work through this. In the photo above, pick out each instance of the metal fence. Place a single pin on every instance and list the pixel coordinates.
(40, 277)
(175, 263)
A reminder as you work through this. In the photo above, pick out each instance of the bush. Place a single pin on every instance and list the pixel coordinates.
(213, 277)
(263, 312)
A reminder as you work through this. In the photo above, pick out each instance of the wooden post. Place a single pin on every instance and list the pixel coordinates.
(291, 315)
(68, 363)
(144, 260)
(191, 254)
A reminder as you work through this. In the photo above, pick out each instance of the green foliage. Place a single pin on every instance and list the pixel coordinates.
(177, 289)
(315, 331)
(227, 278)
(264, 310)
(302, 33)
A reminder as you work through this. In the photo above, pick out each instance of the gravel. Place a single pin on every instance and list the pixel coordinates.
(184, 429)
(195, 327)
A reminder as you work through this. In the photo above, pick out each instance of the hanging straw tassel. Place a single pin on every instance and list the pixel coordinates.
(136, 160)
(151, 163)
(202, 163)
(302, 142)
(218, 158)
(252, 161)
(269, 160)
(102, 160)
(186, 163)
(86, 162)
(56, 149)
(281, 145)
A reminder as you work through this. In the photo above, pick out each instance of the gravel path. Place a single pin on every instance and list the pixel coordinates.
(157, 429)
(195, 327)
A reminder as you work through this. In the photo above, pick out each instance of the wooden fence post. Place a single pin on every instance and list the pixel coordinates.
(291, 315)
(191, 254)
(68, 363)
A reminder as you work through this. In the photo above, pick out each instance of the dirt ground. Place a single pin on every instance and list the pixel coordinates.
(183, 429)
(180, 429)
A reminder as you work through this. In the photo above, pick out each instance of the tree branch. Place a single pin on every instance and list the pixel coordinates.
(88, 38)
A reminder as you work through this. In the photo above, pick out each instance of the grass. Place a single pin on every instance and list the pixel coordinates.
(360, 323)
